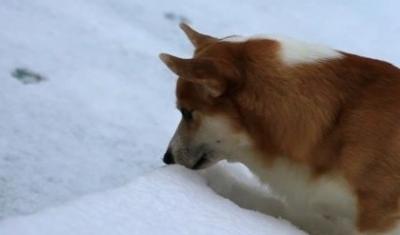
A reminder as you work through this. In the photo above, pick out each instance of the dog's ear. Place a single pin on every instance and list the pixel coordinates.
(196, 38)
(213, 75)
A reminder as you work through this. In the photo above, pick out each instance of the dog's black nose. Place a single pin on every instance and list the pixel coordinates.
(168, 158)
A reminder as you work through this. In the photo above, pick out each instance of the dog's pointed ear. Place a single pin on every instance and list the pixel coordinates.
(195, 37)
(206, 72)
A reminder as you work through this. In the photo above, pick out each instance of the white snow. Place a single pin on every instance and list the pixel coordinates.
(105, 114)
(171, 200)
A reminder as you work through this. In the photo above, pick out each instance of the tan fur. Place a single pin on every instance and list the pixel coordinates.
(338, 116)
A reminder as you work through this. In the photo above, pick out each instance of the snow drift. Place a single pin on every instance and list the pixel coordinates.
(104, 114)
(170, 200)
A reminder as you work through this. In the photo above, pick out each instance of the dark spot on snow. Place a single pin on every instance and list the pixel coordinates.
(9, 158)
(176, 17)
(53, 180)
(27, 76)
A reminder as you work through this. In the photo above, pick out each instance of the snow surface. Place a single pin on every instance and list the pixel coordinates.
(171, 200)
(105, 112)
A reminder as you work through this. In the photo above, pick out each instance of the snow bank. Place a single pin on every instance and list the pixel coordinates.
(170, 200)
(106, 111)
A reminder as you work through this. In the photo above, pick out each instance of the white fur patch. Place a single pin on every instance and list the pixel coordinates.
(227, 143)
(215, 134)
(294, 51)
(321, 206)
(394, 231)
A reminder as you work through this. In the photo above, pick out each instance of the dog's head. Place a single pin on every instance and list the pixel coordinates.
(211, 127)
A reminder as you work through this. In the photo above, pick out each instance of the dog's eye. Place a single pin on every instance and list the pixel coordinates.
(186, 114)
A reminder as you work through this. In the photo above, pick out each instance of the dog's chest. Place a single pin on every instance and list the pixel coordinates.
(329, 196)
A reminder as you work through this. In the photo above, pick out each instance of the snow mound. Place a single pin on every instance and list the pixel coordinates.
(170, 200)
(85, 103)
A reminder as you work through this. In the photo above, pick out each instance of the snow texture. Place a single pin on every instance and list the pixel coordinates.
(171, 200)
(104, 113)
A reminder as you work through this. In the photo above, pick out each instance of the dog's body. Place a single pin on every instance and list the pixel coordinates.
(320, 126)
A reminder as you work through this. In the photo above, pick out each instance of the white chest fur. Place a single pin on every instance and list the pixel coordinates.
(323, 205)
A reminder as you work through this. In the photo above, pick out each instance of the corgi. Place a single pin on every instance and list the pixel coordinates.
(320, 126)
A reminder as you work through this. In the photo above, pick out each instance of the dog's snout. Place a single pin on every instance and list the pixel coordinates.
(168, 158)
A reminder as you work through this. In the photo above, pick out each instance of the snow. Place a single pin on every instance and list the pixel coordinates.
(170, 200)
(105, 112)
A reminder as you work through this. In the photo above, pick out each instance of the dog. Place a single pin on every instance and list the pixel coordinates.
(320, 126)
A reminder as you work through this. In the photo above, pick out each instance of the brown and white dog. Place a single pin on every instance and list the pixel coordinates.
(320, 126)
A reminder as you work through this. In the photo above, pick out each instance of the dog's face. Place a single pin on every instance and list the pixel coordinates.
(210, 129)
(202, 139)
